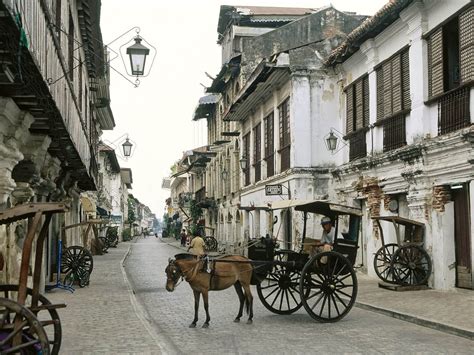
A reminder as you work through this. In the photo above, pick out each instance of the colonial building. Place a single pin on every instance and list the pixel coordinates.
(407, 116)
(54, 103)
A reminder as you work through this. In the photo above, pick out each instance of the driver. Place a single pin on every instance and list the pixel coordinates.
(327, 238)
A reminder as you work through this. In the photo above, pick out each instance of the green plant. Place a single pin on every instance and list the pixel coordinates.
(126, 235)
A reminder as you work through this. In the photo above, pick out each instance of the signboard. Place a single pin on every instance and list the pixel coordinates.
(116, 219)
(271, 190)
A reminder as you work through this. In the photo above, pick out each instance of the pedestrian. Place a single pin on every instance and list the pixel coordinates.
(183, 237)
(327, 238)
(197, 245)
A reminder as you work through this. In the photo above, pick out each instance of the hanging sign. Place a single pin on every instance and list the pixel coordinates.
(271, 190)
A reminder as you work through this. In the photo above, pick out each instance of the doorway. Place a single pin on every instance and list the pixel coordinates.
(462, 237)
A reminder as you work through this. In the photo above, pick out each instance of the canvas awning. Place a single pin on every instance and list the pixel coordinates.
(87, 204)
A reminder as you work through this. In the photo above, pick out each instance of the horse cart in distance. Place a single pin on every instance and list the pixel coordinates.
(404, 263)
(324, 283)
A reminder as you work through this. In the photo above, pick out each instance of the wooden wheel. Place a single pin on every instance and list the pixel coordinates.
(411, 265)
(332, 285)
(279, 292)
(27, 338)
(79, 261)
(105, 244)
(383, 262)
(211, 243)
(48, 317)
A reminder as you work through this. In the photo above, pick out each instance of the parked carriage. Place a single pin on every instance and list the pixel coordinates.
(405, 262)
(30, 324)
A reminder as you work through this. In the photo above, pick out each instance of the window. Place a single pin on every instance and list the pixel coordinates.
(393, 99)
(357, 117)
(58, 19)
(451, 70)
(285, 142)
(71, 48)
(257, 151)
(246, 153)
(269, 144)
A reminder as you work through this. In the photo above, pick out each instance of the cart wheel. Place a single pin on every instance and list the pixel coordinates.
(33, 338)
(279, 291)
(332, 284)
(211, 243)
(48, 318)
(383, 262)
(78, 260)
(105, 244)
(411, 265)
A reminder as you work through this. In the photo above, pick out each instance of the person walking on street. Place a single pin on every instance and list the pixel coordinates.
(183, 237)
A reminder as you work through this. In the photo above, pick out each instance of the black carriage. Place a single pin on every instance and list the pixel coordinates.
(404, 262)
(324, 283)
(30, 325)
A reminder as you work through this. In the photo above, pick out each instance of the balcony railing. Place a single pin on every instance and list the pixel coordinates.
(357, 145)
(453, 110)
(394, 133)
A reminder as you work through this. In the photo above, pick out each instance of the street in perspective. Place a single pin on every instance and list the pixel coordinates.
(281, 177)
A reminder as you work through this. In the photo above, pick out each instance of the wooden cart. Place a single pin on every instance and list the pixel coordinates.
(30, 324)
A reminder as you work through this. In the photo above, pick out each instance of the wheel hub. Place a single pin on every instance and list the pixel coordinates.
(284, 282)
(328, 287)
(412, 265)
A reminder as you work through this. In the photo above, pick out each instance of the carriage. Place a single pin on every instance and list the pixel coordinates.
(325, 284)
(30, 323)
(404, 263)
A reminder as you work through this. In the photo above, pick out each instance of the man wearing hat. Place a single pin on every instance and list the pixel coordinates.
(327, 238)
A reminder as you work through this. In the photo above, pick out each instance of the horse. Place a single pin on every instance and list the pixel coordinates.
(228, 270)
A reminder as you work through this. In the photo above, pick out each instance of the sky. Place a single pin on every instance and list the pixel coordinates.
(157, 115)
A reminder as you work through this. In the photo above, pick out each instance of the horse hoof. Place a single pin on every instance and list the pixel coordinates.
(236, 320)
(192, 325)
(249, 321)
(205, 325)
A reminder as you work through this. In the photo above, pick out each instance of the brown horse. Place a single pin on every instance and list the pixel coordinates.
(229, 270)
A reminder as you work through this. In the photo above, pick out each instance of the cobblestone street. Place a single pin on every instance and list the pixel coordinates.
(361, 331)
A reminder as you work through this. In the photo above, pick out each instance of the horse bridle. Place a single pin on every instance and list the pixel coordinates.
(176, 274)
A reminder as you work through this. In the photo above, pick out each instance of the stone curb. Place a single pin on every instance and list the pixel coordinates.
(141, 312)
(417, 320)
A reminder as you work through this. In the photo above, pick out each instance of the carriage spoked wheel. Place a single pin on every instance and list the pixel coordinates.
(332, 285)
(78, 262)
(105, 244)
(211, 243)
(48, 317)
(383, 262)
(279, 292)
(411, 265)
(20, 330)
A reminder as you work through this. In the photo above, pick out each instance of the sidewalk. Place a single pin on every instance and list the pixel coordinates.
(448, 311)
(104, 318)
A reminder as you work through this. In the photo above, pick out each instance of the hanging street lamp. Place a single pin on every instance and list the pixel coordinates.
(127, 148)
(138, 53)
(331, 142)
(243, 162)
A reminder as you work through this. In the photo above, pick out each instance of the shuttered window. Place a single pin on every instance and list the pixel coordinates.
(246, 154)
(466, 45)
(257, 151)
(357, 105)
(285, 143)
(393, 86)
(269, 144)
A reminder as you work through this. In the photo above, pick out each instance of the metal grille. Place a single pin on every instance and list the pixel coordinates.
(269, 145)
(466, 44)
(453, 111)
(357, 145)
(257, 152)
(394, 133)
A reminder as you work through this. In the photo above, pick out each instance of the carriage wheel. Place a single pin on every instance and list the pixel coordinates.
(411, 265)
(33, 338)
(211, 243)
(49, 320)
(105, 244)
(332, 284)
(79, 261)
(383, 262)
(279, 292)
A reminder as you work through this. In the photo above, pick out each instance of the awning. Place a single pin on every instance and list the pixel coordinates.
(102, 212)
(87, 204)
(325, 208)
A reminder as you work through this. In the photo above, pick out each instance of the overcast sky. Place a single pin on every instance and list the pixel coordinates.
(158, 114)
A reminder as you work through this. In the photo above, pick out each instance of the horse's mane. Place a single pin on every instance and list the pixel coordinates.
(190, 268)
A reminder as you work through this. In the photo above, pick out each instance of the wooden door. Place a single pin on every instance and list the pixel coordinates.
(462, 238)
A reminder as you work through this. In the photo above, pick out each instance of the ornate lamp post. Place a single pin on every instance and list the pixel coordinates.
(127, 148)
(138, 53)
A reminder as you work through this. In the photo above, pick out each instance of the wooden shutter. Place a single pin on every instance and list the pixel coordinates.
(466, 45)
(406, 99)
(380, 96)
(396, 84)
(359, 105)
(435, 63)
(387, 89)
(258, 143)
(349, 109)
(366, 100)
